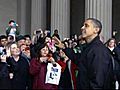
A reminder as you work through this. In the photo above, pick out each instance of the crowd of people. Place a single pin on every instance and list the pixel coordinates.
(44, 61)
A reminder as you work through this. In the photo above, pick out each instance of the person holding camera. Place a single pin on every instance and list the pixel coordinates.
(38, 67)
(20, 68)
(5, 74)
(12, 30)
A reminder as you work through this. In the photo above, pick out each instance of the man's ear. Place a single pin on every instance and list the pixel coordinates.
(96, 30)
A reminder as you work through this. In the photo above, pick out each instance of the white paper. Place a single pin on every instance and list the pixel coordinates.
(53, 74)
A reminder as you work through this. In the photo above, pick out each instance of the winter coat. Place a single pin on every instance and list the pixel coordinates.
(95, 67)
(38, 71)
(116, 55)
(4, 76)
(68, 75)
(20, 71)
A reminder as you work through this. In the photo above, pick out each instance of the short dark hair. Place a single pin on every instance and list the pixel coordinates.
(56, 30)
(96, 23)
(27, 36)
(11, 21)
(3, 37)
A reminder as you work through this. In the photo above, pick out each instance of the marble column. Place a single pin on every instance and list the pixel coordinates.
(60, 17)
(21, 15)
(102, 10)
(24, 16)
(38, 15)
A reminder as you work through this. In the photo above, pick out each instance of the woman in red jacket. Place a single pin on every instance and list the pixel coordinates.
(38, 68)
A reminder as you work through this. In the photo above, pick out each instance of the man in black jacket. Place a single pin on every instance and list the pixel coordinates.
(95, 65)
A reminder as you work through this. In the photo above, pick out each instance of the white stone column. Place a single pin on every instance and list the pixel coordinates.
(102, 10)
(24, 16)
(60, 17)
(21, 15)
(38, 15)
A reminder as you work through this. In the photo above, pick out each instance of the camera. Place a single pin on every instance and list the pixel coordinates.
(11, 38)
(37, 32)
(2, 51)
